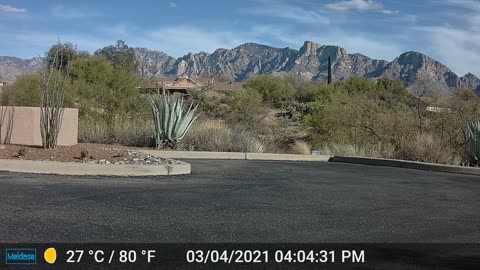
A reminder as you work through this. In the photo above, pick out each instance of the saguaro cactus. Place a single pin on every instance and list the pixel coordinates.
(329, 80)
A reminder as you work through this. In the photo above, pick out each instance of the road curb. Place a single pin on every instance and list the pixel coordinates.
(194, 154)
(286, 157)
(73, 168)
(233, 155)
(407, 164)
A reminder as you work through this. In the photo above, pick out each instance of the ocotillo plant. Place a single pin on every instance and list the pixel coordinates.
(329, 80)
(52, 95)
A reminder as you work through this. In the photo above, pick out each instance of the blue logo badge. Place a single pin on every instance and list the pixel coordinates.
(20, 256)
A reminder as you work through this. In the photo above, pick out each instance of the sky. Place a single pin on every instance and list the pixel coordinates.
(447, 30)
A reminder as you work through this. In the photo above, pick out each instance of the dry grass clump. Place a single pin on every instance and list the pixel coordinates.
(217, 136)
(127, 132)
(425, 148)
(208, 135)
(377, 150)
(301, 148)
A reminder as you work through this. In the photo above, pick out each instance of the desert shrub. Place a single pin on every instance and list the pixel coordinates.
(23, 92)
(210, 102)
(294, 110)
(425, 148)
(374, 150)
(448, 125)
(385, 124)
(361, 119)
(246, 108)
(358, 85)
(301, 148)
(124, 131)
(393, 92)
(273, 89)
(218, 136)
(320, 93)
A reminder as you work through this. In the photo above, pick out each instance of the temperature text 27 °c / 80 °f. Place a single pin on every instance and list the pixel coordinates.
(111, 256)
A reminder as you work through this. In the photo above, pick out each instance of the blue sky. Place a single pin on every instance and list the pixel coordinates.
(448, 30)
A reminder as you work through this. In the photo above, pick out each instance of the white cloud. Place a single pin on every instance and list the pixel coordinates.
(10, 9)
(61, 12)
(359, 5)
(39, 42)
(172, 5)
(467, 4)
(283, 10)
(454, 39)
(177, 40)
(180, 40)
(456, 48)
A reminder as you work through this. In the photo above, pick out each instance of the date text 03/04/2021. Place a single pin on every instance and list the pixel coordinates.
(278, 256)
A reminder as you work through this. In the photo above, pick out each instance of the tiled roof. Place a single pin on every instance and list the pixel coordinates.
(227, 86)
(178, 83)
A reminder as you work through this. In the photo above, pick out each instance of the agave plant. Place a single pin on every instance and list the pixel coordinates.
(472, 142)
(172, 120)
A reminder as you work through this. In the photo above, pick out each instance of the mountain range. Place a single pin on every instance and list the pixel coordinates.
(310, 61)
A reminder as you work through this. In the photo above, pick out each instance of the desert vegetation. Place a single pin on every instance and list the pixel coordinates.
(272, 113)
(357, 117)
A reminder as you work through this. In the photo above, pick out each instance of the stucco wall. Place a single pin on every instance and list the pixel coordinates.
(21, 125)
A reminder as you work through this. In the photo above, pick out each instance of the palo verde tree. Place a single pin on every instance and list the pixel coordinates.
(274, 89)
(68, 51)
(104, 92)
(121, 56)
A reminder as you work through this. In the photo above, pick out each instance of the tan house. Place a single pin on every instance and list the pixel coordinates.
(183, 84)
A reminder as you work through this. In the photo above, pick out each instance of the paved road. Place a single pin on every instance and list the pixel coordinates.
(244, 201)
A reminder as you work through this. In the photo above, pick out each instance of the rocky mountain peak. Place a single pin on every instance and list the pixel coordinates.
(310, 61)
(416, 60)
(309, 48)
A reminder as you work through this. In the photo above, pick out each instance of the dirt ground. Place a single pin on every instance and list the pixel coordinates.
(76, 153)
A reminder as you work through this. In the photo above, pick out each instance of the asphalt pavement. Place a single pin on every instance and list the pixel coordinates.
(245, 201)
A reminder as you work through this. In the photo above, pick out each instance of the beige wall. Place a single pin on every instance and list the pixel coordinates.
(21, 125)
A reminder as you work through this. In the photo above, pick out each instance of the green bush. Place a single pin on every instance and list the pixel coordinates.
(210, 102)
(23, 92)
(273, 89)
(246, 107)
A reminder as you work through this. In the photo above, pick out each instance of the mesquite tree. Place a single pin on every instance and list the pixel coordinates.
(427, 92)
(52, 96)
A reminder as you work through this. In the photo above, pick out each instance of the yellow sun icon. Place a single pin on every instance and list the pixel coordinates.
(50, 255)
